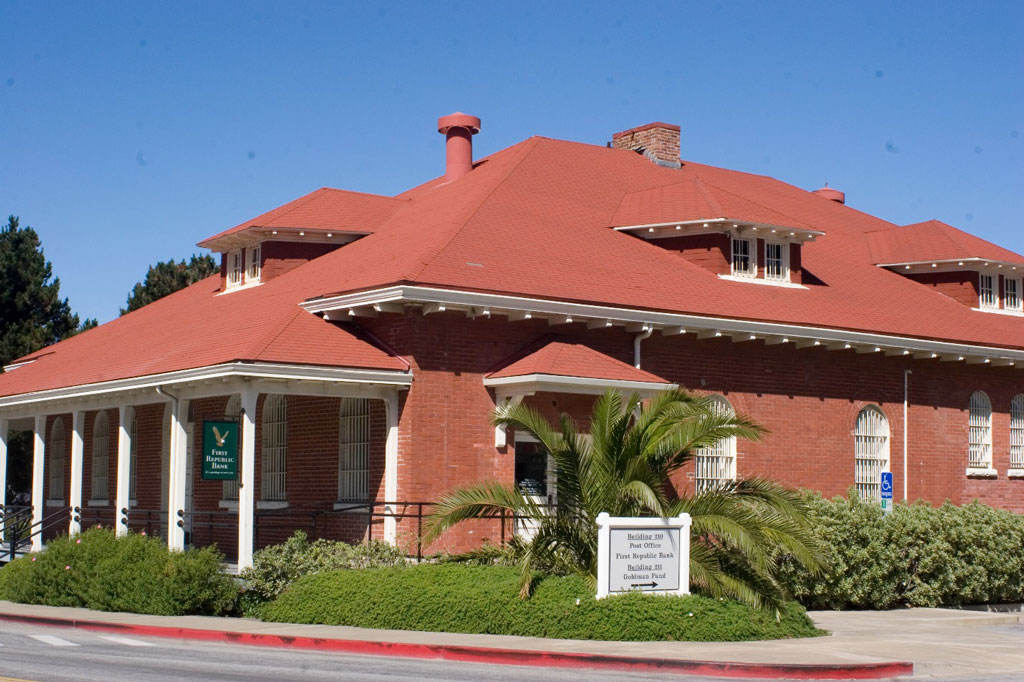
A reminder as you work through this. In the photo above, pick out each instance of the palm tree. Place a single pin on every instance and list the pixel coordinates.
(623, 467)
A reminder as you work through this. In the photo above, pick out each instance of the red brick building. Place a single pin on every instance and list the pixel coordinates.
(363, 341)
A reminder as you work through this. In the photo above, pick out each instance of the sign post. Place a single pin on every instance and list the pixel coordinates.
(886, 488)
(643, 555)
(220, 450)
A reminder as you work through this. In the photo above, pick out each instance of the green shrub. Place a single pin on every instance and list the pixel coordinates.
(450, 597)
(916, 556)
(132, 573)
(277, 566)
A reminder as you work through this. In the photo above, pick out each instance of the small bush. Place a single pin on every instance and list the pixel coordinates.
(132, 573)
(916, 556)
(485, 599)
(277, 566)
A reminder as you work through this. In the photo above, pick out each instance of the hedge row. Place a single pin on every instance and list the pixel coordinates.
(133, 573)
(484, 599)
(916, 556)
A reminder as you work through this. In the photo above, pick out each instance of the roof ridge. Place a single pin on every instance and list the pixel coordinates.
(434, 253)
(365, 194)
(702, 188)
(756, 203)
(258, 351)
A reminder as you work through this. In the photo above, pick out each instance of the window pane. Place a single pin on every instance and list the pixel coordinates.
(100, 456)
(1017, 432)
(979, 447)
(354, 450)
(871, 452)
(716, 464)
(988, 295)
(743, 263)
(275, 449)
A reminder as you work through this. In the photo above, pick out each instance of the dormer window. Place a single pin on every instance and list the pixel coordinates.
(1011, 294)
(776, 261)
(744, 258)
(252, 264)
(234, 268)
(987, 294)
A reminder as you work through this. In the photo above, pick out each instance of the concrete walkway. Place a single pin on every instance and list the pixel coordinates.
(940, 643)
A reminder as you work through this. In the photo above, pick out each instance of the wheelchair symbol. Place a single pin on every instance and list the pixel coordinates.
(886, 484)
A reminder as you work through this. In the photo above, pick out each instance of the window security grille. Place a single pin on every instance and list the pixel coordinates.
(354, 450)
(988, 296)
(100, 456)
(58, 442)
(1011, 294)
(979, 450)
(275, 449)
(871, 452)
(233, 410)
(716, 464)
(743, 262)
(776, 267)
(1017, 432)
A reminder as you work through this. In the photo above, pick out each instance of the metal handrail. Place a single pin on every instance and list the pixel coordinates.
(18, 533)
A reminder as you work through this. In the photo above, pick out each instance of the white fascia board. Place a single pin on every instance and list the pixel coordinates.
(724, 224)
(554, 383)
(580, 311)
(955, 264)
(226, 371)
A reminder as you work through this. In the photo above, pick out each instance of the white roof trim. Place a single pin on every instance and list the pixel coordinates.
(961, 262)
(496, 304)
(224, 371)
(555, 383)
(722, 224)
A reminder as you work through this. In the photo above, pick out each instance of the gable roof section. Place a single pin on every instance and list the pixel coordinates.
(694, 199)
(933, 240)
(572, 359)
(196, 327)
(324, 210)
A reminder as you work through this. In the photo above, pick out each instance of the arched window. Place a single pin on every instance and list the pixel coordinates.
(354, 450)
(100, 456)
(979, 444)
(716, 464)
(870, 452)
(232, 411)
(275, 449)
(58, 441)
(133, 452)
(1017, 432)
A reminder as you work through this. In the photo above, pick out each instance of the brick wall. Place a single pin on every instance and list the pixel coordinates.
(661, 140)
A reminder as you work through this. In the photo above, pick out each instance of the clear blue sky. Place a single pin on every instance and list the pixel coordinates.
(130, 131)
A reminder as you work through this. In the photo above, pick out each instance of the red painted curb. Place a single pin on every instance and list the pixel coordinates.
(549, 659)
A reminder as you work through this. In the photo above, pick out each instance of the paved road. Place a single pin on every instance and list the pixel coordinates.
(43, 654)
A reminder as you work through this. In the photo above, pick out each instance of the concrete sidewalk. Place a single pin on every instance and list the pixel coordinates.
(866, 644)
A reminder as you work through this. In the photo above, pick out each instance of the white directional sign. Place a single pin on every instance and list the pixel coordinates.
(643, 554)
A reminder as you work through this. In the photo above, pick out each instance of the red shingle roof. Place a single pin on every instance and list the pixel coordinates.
(933, 241)
(324, 210)
(533, 220)
(570, 359)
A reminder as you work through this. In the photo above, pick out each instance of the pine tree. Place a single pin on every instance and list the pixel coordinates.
(167, 277)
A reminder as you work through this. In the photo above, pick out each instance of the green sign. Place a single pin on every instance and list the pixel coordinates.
(220, 450)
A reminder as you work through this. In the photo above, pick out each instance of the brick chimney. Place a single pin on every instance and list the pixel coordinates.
(659, 142)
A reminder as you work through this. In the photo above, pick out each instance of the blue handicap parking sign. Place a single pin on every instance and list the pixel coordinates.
(886, 485)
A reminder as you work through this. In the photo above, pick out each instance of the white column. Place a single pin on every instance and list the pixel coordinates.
(124, 463)
(38, 471)
(391, 468)
(176, 482)
(247, 478)
(77, 464)
(3, 471)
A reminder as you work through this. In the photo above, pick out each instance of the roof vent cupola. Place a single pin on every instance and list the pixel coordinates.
(458, 129)
(831, 194)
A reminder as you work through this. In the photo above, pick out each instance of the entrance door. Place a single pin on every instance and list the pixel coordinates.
(535, 477)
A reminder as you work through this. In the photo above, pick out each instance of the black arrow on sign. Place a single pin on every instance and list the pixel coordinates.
(650, 584)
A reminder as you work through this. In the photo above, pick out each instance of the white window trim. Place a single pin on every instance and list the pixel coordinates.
(867, 489)
(727, 452)
(235, 276)
(980, 402)
(1019, 308)
(784, 249)
(994, 304)
(253, 253)
(766, 282)
(740, 274)
(351, 425)
(268, 441)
